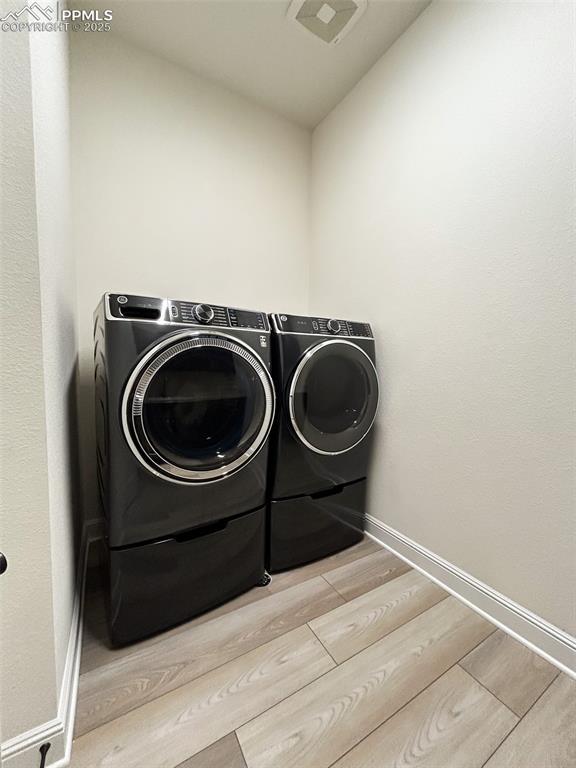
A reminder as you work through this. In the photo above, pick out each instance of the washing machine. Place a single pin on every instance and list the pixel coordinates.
(184, 407)
(327, 394)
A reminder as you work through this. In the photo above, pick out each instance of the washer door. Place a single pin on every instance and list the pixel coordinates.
(198, 407)
(333, 397)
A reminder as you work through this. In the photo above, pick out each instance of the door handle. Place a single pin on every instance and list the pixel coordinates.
(3, 564)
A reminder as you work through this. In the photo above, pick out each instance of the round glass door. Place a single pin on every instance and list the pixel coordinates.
(333, 397)
(199, 407)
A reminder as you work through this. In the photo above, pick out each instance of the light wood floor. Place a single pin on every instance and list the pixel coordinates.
(355, 661)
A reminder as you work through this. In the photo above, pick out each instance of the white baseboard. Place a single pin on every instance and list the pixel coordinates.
(22, 751)
(553, 644)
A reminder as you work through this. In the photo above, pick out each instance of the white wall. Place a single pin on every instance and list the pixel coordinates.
(27, 658)
(181, 189)
(444, 210)
(50, 85)
(37, 378)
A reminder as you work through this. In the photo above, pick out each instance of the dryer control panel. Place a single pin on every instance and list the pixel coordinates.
(321, 326)
(124, 306)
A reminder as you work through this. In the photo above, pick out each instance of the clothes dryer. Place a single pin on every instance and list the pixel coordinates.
(327, 392)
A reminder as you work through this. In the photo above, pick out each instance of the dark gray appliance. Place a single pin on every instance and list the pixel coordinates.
(327, 394)
(184, 408)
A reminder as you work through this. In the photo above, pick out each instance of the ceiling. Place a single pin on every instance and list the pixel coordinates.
(251, 47)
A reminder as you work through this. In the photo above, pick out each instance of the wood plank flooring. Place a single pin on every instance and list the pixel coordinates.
(546, 736)
(370, 617)
(225, 753)
(354, 661)
(166, 731)
(455, 716)
(511, 671)
(355, 578)
(156, 668)
(317, 725)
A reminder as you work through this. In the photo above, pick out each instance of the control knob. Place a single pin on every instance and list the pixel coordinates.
(333, 326)
(203, 313)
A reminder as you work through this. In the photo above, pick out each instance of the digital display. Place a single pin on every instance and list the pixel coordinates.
(245, 318)
(241, 319)
(296, 324)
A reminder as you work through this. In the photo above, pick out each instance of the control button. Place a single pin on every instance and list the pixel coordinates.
(203, 313)
(173, 310)
(122, 299)
(333, 326)
(283, 318)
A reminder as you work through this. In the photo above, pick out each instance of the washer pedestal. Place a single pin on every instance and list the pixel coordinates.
(156, 585)
(307, 528)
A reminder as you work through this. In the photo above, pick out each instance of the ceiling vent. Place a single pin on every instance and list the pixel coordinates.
(329, 20)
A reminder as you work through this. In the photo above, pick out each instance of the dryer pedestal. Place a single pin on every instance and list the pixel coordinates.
(308, 528)
(157, 585)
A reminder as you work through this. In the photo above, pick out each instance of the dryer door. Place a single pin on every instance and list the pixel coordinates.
(333, 397)
(198, 407)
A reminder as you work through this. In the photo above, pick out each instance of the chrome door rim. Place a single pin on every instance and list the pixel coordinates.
(135, 392)
(294, 381)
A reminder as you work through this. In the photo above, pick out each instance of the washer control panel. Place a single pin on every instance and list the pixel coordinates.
(129, 307)
(321, 326)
